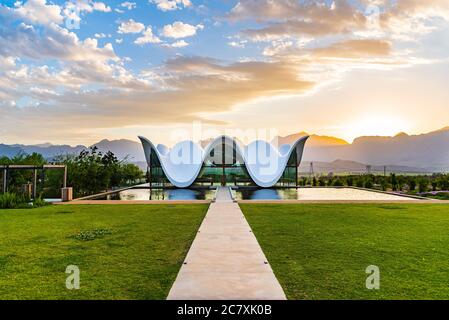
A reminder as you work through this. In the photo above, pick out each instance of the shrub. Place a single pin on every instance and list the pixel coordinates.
(10, 200)
(369, 184)
(39, 202)
(338, 183)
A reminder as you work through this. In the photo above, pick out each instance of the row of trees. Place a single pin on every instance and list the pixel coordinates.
(88, 173)
(393, 182)
(92, 172)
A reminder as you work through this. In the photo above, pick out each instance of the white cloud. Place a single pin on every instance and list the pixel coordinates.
(51, 42)
(7, 63)
(100, 6)
(100, 35)
(73, 9)
(131, 26)
(238, 44)
(180, 30)
(39, 12)
(277, 47)
(169, 5)
(118, 41)
(128, 5)
(177, 44)
(147, 37)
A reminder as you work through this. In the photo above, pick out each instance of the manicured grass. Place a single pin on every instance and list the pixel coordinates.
(322, 251)
(123, 251)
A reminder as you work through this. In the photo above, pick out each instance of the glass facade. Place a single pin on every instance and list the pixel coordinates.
(223, 166)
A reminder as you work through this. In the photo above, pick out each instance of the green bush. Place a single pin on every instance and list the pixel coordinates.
(12, 201)
(368, 184)
(338, 183)
(39, 202)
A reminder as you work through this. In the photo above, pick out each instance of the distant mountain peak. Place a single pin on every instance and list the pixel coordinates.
(401, 134)
(314, 141)
(443, 129)
(44, 145)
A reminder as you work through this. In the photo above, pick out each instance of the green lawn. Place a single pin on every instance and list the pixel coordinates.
(123, 252)
(322, 251)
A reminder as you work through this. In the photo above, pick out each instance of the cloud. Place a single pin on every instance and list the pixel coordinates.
(100, 35)
(238, 44)
(39, 12)
(51, 42)
(283, 19)
(170, 5)
(286, 19)
(147, 37)
(79, 86)
(355, 49)
(128, 5)
(100, 6)
(177, 44)
(196, 85)
(74, 9)
(179, 30)
(7, 63)
(131, 26)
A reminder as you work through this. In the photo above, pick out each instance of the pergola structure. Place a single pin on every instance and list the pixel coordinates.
(6, 169)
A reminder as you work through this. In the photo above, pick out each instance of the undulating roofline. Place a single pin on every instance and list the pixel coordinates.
(264, 162)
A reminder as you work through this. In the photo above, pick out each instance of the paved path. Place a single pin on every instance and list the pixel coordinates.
(225, 261)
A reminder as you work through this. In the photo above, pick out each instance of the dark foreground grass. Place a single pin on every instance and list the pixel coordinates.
(123, 252)
(322, 251)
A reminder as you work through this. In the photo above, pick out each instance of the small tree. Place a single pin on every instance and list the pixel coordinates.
(423, 185)
(350, 181)
(360, 183)
(412, 184)
(322, 182)
(384, 185)
(369, 183)
(338, 183)
(394, 182)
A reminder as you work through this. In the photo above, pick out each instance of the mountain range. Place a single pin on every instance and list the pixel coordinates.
(422, 153)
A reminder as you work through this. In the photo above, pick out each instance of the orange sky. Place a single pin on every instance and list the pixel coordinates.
(344, 68)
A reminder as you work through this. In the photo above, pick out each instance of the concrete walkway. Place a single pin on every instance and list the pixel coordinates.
(225, 261)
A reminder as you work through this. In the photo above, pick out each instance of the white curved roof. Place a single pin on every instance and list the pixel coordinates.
(265, 163)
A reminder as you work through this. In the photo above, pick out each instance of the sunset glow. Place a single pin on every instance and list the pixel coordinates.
(375, 125)
(89, 70)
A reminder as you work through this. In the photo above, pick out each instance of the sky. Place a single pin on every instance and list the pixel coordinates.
(76, 72)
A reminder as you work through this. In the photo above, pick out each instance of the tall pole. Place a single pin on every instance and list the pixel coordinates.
(312, 172)
(65, 177)
(35, 184)
(297, 176)
(368, 169)
(223, 161)
(43, 179)
(5, 180)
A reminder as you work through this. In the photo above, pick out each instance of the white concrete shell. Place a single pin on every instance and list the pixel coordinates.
(264, 162)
